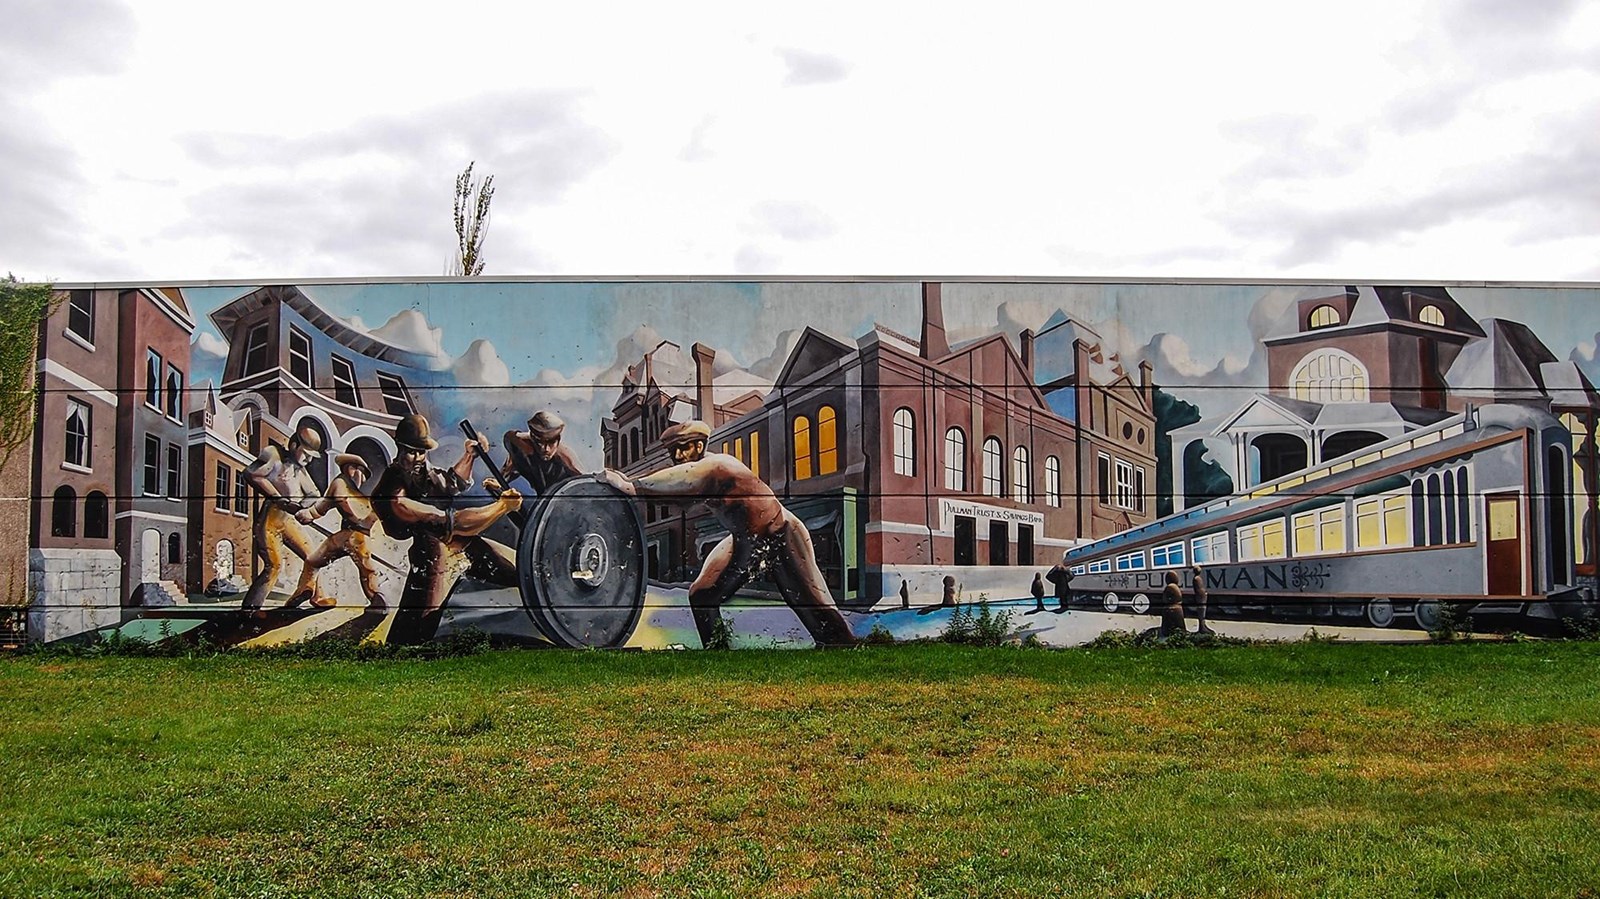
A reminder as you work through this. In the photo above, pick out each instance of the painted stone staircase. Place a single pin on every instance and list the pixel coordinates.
(165, 593)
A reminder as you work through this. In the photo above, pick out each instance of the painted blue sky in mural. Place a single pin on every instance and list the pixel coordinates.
(563, 344)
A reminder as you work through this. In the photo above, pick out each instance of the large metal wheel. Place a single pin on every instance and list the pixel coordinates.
(1111, 602)
(1429, 614)
(1141, 603)
(580, 564)
(1380, 612)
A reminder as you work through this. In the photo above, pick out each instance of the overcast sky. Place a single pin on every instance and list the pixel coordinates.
(1352, 141)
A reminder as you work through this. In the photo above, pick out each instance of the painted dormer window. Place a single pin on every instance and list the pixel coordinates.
(1330, 376)
(1431, 315)
(1324, 317)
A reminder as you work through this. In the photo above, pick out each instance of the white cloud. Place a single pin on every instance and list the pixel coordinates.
(409, 329)
(210, 344)
(480, 366)
(1451, 140)
(806, 67)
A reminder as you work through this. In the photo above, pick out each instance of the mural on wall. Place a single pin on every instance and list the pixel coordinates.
(678, 463)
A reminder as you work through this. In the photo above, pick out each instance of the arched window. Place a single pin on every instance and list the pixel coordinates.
(174, 548)
(1431, 315)
(1021, 477)
(222, 564)
(905, 443)
(96, 516)
(1324, 317)
(64, 512)
(993, 460)
(802, 448)
(1435, 512)
(1449, 491)
(1052, 481)
(955, 459)
(1419, 514)
(1330, 376)
(827, 441)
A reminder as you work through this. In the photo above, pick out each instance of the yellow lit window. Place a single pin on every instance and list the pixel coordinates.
(1272, 537)
(1397, 520)
(755, 453)
(1502, 521)
(1369, 524)
(1324, 317)
(1305, 533)
(1431, 315)
(1331, 525)
(802, 448)
(738, 448)
(827, 441)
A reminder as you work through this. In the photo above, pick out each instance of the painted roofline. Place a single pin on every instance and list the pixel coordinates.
(820, 279)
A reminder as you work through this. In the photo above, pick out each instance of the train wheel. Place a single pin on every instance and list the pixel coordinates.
(1380, 612)
(1111, 602)
(1141, 604)
(1430, 615)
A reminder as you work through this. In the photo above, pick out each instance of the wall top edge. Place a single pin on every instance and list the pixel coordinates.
(817, 279)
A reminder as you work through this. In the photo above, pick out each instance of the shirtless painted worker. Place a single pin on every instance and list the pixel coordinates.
(763, 536)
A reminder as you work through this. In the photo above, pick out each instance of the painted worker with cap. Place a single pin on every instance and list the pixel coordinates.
(282, 478)
(413, 500)
(356, 519)
(538, 454)
(763, 536)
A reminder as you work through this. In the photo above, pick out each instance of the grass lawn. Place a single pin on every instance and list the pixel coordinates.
(911, 770)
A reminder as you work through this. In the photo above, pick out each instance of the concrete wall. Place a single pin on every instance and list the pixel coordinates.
(1068, 370)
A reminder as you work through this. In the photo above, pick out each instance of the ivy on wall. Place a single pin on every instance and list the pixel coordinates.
(22, 306)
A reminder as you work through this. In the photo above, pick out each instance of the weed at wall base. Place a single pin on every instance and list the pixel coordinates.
(986, 628)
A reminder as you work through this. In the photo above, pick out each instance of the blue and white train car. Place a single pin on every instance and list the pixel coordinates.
(1474, 510)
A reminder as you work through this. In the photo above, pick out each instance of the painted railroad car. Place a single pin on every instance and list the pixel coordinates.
(1469, 512)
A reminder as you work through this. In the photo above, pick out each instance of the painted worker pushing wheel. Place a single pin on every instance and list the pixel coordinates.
(763, 536)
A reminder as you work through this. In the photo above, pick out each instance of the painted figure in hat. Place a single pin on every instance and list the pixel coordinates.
(412, 499)
(356, 519)
(282, 479)
(763, 536)
(539, 455)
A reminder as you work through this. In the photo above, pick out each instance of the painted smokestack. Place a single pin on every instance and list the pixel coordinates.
(1147, 384)
(705, 406)
(935, 345)
(1080, 383)
(1027, 352)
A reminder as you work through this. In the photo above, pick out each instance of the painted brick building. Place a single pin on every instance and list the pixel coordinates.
(219, 502)
(292, 364)
(896, 451)
(108, 526)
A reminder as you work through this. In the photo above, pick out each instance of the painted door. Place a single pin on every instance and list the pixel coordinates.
(150, 556)
(1504, 539)
(966, 540)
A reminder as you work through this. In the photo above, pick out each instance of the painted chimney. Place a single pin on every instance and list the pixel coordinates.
(935, 345)
(1147, 384)
(1027, 352)
(704, 404)
(1080, 383)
